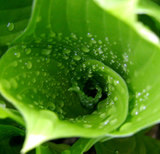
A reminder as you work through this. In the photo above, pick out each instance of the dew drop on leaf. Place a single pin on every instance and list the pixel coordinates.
(87, 126)
(142, 107)
(112, 122)
(34, 80)
(37, 73)
(28, 51)
(15, 64)
(126, 126)
(89, 34)
(85, 49)
(17, 54)
(105, 122)
(116, 82)
(19, 97)
(66, 51)
(10, 26)
(65, 57)
(49, 46)
(73, 36)
(6, 84)
(116, 152)
(134, 112)
(103, 115)
(13, 83)
(46, 52)
(76, 57)
(61, 103)
(93, 41)
(48, 60)
(2, 104)
(100, 42)
(28, 65)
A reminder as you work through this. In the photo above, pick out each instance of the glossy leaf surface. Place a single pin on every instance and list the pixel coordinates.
(131, 145)
(83, 69)
(10, 139)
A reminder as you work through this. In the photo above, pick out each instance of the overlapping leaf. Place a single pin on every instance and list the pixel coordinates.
(11, 139)
(134, 144)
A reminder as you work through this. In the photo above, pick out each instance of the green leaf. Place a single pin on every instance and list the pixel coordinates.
(83, 145)
(11, 139)
(10, 113)
(51, 148)
(43, 100)
(149, 8)
(74, 67)
(13, 114)
(14, 18)
(43, 149)
(134, 144)
(148, 14)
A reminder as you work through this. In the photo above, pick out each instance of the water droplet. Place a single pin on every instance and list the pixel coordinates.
(106, 39)
(37, 73)
(2, 104)
(126, 126)
(13, 83)
(65, 57)
(34, 80)
(115, 98)
(76, 57)
(112, 110)
(15, 64)
(51, 106)
(116, 152)
(114, 43)
(28, 51)
(116, 82)
(17, 54)
(46, 52)
(5, 84)
(100, 42)
(125, 56)
(49, 46)
(19, 97)
(24, 75)
(93, 41)
(48, 60)
(87, 126)
(23, 46)
(59, 64)
(66, 51)
(61, 103)
(10, 26)
(85, 49)
(103, 115)
(112, 122)
(134, 112)
(73, 36)
(138, 94)
(28, 65)
(142, 107)
(89, 35)
(52, 34)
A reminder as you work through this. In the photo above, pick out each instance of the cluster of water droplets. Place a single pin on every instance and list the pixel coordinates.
(105, 110)
(139, 101)
(46, 68)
